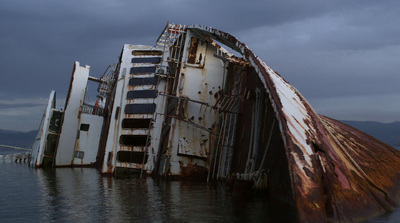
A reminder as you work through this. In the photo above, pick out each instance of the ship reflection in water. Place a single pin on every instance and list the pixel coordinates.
(82, 195)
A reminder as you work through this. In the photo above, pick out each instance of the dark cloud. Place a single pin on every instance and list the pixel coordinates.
(324, 48)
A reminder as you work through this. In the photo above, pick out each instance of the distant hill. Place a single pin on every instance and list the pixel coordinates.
(386, 132)
(15, 138)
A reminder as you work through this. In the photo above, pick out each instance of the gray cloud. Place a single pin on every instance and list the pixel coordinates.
(335, 49)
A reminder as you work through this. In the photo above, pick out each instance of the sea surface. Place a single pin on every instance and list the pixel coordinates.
(83, 195)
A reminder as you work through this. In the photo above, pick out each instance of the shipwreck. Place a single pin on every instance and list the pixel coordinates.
(199, 104)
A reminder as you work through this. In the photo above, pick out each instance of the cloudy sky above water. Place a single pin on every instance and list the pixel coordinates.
(343, 56)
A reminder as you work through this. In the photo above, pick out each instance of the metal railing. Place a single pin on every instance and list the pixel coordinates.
(93, 110)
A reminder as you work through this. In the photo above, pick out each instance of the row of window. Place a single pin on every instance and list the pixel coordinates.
(143, 108)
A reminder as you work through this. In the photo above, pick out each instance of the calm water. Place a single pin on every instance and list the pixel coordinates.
(82, 195)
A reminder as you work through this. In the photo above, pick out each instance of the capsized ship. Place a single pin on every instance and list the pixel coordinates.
(199, 104)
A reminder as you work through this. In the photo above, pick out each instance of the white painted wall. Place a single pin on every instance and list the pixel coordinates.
(70, 124)
(88, 141)
(41, 136)
(198, 84)
(112, 143)
(120, 100)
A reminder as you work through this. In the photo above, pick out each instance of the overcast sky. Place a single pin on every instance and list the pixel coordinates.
(343, 56)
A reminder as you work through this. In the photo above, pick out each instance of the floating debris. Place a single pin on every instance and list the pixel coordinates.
(24, 157)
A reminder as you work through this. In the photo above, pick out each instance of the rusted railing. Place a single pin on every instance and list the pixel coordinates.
(93, 110)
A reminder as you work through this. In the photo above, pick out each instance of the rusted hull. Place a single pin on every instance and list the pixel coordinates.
(330, 174)
(371, 186)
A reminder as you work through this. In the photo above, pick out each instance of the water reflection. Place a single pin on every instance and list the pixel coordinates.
(69, 195)
(82, 195)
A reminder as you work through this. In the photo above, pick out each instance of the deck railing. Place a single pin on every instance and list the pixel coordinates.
(93, 110)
